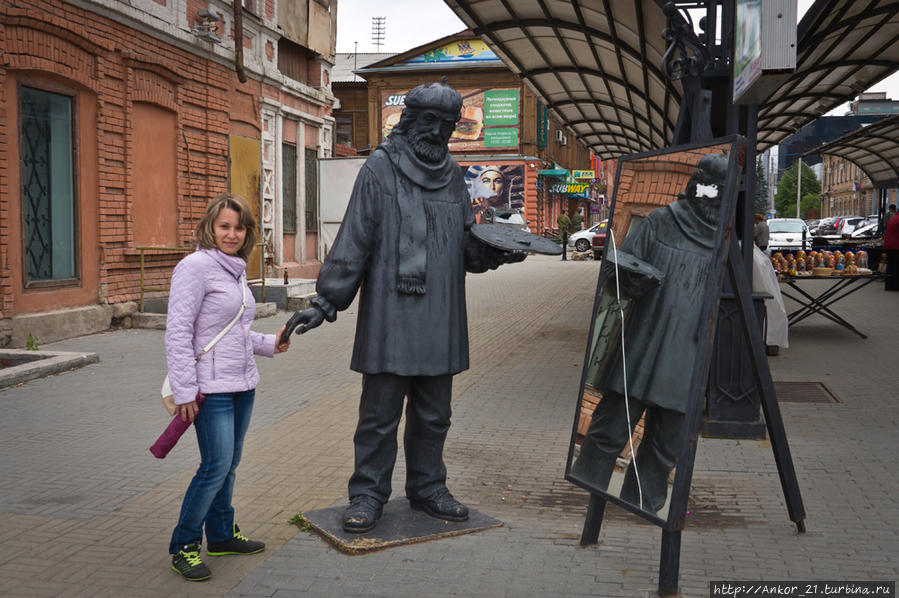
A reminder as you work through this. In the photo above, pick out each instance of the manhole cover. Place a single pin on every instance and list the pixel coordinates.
(803, 392)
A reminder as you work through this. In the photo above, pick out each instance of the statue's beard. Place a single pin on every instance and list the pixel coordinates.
(428, 151)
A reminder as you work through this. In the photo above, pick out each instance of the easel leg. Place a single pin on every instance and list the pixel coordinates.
(771, 409)
(669, 563)
(593, 522)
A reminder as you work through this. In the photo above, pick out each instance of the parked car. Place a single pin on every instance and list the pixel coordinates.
(582, 239)
(507, 216)
(866, 230)
(598, 242)
(826, 226)
(847, 224)
(788, 233)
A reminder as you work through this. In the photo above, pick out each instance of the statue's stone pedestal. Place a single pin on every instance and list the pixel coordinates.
(399, 525)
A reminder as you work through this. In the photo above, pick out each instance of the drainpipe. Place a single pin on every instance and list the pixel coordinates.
(238, 40)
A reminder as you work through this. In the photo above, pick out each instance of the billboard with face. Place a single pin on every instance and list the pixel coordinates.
(494, 186)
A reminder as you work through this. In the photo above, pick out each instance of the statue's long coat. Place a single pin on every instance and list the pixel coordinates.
(662, 327)
(407, 335)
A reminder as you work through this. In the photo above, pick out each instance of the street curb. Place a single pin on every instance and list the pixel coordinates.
(40, 364)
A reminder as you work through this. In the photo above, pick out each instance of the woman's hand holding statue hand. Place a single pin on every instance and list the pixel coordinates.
(282, 345)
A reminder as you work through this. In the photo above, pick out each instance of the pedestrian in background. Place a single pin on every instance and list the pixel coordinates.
(577, 221)
(888, 215)
(760, 232)
(564, 224)
(891, 246)
(208, 291)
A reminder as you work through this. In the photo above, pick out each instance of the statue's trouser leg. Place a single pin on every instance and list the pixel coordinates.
(605, 438)
(380, 409)
(656, 457)
(428, 414)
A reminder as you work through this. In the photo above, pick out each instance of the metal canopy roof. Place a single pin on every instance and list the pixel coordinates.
(597, 64)
(845, 47)
(874, 148)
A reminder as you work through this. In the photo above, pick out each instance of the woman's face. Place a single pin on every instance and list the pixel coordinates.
(229, 232)
(493, 181)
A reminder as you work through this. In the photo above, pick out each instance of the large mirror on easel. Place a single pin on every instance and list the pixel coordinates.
(648, 350)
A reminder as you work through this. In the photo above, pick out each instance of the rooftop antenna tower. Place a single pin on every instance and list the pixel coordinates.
(377, 32)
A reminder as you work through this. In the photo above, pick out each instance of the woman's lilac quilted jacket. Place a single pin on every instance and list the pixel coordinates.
(205, 296)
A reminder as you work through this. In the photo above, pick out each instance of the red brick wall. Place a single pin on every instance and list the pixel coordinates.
(112, 67)
(647, 183)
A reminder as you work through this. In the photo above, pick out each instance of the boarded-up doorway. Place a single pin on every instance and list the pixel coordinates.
(246, 166)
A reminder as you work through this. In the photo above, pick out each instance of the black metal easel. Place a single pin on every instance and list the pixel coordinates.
(669, 561)
(693, 125)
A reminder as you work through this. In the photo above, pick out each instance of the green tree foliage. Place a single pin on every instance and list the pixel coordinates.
(761, 189)
(785, 199)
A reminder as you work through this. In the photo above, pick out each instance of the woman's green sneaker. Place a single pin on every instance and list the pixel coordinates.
(187, 562)
(238, 544)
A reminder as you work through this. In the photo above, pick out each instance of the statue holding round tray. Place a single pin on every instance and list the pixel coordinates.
(507, 238)
(405, 245)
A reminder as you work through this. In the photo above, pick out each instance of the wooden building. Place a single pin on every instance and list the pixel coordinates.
(506, 136)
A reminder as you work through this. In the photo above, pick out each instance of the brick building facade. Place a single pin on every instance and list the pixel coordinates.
(119, 124)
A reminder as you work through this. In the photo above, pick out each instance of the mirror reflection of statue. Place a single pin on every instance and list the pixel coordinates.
(663, 268)
(405, 246)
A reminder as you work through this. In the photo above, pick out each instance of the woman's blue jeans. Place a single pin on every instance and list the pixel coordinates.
(221, 426)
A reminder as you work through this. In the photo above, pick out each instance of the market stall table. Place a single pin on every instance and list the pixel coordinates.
(842, 287)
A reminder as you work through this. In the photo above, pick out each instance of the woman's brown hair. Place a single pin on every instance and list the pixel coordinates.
(205, 235)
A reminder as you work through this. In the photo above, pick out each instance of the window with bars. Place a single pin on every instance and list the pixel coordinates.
(311, 189)
(289, 187)
(48, 185)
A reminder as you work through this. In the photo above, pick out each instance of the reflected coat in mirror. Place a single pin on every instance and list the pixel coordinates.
(662, 273)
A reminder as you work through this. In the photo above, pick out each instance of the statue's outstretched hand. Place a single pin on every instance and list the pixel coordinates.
(497, 257)
(303, 320)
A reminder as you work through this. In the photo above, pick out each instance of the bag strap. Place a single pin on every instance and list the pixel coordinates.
(218, 337)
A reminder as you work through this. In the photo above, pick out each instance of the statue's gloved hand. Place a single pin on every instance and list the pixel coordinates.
(494, 258)
(512, 257)
(303, 320)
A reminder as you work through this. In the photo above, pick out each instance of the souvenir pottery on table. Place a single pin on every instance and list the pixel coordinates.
(861, 259)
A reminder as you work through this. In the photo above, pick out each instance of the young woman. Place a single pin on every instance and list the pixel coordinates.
(208, 290)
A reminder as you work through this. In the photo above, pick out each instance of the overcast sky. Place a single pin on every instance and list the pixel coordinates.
(411, 23)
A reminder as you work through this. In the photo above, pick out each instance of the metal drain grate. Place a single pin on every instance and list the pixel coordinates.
(804, 392)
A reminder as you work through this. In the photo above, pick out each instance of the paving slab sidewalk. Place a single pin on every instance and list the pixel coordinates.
(86, 511)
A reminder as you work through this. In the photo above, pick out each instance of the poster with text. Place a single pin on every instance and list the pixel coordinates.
(490, 118)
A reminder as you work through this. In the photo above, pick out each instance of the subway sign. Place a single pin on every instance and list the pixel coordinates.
(569, 188)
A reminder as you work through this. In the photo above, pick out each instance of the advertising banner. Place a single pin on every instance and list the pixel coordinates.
(492, 186)
(490, 118)
(748, 51)
(542, 124)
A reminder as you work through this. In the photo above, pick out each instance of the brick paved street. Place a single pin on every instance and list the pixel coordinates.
(86, 511)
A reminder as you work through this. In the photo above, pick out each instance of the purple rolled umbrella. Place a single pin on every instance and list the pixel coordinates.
(169, 437)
